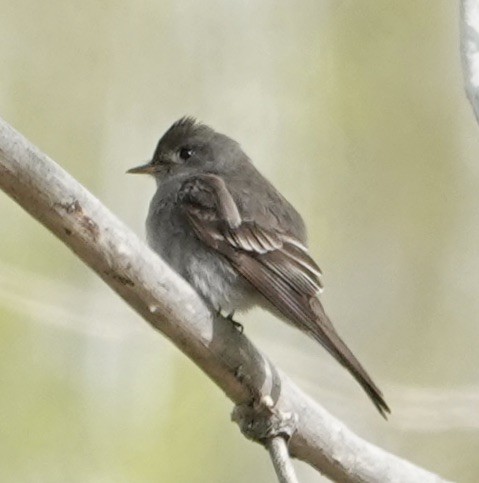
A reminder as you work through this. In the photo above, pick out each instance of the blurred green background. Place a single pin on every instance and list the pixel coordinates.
(361, 103)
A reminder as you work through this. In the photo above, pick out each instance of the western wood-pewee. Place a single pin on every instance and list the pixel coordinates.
(227, 230)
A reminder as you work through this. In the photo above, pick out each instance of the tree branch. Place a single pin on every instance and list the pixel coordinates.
(171, 306)
(278, 450)
(469, 31)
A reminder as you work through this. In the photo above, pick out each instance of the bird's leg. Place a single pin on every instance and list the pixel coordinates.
(239, 327)
(236, 325)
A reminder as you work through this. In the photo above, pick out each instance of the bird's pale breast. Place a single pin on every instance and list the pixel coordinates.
(213, 277)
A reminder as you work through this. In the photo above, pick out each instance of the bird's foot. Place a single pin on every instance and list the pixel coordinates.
(239, 327)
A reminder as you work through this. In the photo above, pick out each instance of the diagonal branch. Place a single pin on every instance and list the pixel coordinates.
(469, 33)
(171, 306)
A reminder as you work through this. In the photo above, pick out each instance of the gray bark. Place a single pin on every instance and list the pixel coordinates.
(469, 30)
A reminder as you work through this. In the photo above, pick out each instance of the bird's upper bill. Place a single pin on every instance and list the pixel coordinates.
(147, 168)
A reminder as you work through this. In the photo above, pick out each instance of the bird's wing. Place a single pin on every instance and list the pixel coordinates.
(276, 264)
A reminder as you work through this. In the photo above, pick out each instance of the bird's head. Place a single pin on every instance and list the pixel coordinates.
(190, 147)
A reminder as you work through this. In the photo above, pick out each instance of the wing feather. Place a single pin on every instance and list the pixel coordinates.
(276, 264)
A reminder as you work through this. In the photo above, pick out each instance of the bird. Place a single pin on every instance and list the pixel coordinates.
(221, 225)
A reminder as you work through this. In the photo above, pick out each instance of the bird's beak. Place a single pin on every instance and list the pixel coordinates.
(148, 168)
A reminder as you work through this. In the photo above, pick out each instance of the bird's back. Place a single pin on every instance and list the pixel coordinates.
(259, 201)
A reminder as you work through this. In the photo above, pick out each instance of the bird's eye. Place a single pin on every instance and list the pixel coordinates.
(186, 153)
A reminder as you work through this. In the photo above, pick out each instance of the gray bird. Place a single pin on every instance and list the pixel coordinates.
(226, 229)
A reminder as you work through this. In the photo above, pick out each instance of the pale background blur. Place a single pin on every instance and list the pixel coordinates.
(355, 110)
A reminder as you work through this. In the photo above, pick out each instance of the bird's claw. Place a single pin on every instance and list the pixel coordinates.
(239, 327)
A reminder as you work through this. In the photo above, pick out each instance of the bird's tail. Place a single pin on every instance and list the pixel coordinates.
(340, 351)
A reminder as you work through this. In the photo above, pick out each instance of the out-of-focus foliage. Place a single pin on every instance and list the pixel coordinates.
(355, 110)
